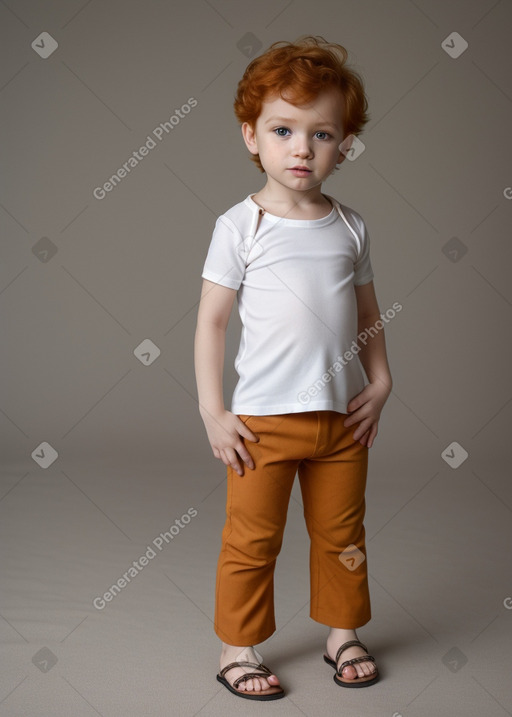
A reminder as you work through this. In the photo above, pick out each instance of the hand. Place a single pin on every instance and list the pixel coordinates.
(224, 431)
(365, 409)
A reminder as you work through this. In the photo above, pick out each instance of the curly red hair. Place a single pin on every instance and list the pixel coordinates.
(301, 69)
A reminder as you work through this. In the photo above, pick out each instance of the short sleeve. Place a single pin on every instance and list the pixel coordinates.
(225, 261)
(363, 272)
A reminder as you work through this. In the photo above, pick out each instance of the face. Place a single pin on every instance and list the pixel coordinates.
(287, 137)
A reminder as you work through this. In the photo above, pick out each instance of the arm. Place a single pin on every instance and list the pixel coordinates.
(366, 407)
(223, 428)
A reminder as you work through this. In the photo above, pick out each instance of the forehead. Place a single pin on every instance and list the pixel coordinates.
(326, 107)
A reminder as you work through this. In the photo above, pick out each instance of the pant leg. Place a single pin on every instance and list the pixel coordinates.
(333, 482)
(256, 511)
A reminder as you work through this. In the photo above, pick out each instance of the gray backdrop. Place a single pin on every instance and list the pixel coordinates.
(102, 446)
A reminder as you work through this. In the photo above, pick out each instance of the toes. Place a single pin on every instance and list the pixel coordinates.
(369, 668)
(262, 684)
(254, 685)
(361, 669)
(258, 685)
(365, 669)
(349, 672)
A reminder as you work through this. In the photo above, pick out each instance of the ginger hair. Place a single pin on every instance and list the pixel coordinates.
(301, 70)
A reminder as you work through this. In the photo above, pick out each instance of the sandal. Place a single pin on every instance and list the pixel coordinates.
(356, 681)
(272, 693)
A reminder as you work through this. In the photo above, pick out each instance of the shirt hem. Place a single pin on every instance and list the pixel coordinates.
(246, 410)
(222, 280)
(364, 280)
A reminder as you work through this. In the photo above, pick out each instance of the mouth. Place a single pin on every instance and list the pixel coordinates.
(301, 169)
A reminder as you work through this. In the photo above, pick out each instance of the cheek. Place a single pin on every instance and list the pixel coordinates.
(270, 148)
(331, 153)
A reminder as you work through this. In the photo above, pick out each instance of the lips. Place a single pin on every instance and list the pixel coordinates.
(302, 169)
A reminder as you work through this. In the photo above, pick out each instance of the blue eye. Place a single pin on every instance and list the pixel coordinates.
(284, 132)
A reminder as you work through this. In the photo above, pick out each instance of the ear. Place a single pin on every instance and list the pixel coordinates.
(249, 138)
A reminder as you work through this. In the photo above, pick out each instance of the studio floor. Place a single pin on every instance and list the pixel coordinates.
(439, 578)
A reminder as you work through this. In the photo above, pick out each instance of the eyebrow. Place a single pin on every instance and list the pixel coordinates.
(288, 120)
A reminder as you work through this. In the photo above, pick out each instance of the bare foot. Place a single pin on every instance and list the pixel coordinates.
(233, 653)
(336, 638)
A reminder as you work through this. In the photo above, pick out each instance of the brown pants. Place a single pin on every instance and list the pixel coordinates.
(332, 473)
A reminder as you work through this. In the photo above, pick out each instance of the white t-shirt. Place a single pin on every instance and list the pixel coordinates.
(295, 281)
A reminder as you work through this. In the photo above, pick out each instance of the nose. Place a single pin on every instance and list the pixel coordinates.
(301, 146)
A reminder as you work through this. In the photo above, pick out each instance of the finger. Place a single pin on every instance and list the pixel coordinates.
(364, 440)
(246, 432)
(350, 420)
(245, 455)
(355, 417)
(373, 434)
(356, 402)
(363, 427)
(223, 457)
(230, 459)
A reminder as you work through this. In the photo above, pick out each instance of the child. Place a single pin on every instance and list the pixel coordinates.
(298, 262)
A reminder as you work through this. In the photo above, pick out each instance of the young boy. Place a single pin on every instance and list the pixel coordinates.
(298, 262)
